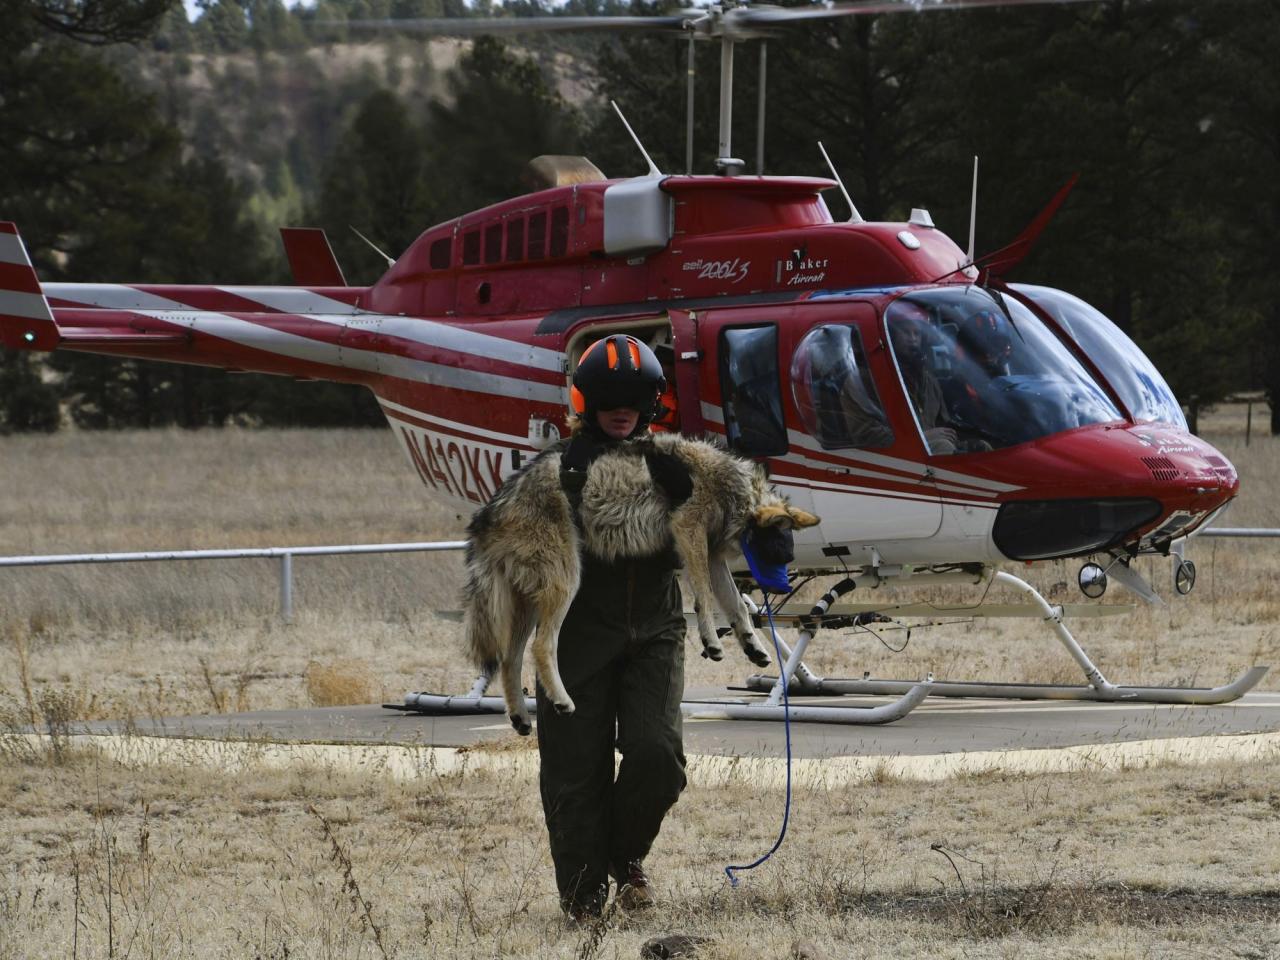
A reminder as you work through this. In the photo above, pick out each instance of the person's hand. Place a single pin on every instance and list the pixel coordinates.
(941, 440)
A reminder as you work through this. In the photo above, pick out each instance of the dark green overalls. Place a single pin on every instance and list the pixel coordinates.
(621, 657)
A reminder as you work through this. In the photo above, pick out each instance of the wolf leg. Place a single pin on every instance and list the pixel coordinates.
(512, 688)
(731, 603)
(553, 605)
(691, 542)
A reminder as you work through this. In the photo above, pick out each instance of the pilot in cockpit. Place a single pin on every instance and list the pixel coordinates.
(984, 345)
(908, 323)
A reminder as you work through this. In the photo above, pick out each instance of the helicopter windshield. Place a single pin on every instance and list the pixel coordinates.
(982, 372)
(1135, 378)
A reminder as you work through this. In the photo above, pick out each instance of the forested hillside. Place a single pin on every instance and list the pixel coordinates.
(139, 146)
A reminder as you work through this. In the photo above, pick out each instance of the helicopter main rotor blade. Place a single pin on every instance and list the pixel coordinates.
(762, 16)
(737, 23)
(469, 26)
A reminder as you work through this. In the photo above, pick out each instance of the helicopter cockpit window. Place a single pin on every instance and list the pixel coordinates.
(833, 390)
(751, 393)
(983, 372)
(1134, 377)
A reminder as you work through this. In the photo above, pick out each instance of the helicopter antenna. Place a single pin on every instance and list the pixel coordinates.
(854, 215)
(760, 105)
(390, 262)
(973, 212)
(688, 110)
(653, 168)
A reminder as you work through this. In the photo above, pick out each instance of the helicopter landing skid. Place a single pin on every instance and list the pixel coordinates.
(803, 681)
(910, 696)
(738, 709)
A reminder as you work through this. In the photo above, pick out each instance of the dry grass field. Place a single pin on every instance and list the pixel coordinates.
(107, 861)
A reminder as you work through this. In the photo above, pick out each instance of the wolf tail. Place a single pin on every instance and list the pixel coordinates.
(485, 614)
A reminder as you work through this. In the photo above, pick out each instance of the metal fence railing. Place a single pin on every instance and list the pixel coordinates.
(286, 555)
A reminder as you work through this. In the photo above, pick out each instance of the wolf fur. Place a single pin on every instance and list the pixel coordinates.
(523, 552)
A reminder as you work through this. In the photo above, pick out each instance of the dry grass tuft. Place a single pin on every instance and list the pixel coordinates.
(338, 683)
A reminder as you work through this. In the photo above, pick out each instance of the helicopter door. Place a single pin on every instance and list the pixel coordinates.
(869, 485)
(687, 360)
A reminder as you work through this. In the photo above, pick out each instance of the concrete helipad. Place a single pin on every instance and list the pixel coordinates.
(937, 727)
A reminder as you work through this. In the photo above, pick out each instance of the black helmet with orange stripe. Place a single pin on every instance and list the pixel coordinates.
(615, 372)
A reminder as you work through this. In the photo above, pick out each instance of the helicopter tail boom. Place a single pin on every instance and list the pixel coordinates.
(305, 332)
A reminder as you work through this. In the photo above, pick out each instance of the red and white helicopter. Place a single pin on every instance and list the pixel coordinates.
(940, 420)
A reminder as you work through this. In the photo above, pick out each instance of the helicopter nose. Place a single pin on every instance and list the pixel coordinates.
(1138, 489)
(1192, 481)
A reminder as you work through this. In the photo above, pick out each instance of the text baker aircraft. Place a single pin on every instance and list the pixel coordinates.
(938, 420)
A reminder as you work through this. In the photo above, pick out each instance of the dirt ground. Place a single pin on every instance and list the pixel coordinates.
(106, 860)
(179, 861)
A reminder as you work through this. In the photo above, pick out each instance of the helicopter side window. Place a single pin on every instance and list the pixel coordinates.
(471, 248)
(515, 239)
(441, 253)
(559, 231)
(752, 396)
(493, 243)
(538, 236)
(834, 392)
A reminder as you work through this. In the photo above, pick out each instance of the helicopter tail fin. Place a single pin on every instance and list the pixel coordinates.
(26, 322)
(997, 264)
(311, 257)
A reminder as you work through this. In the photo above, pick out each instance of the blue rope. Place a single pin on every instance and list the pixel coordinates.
(729, 871)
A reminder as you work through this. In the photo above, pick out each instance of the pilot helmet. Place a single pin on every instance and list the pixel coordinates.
(986, 337)
(614, 372)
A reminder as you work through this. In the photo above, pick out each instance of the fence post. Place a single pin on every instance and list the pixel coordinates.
(286, 587)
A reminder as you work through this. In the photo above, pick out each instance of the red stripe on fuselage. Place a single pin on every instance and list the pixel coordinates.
(18, 278)
(460, 431)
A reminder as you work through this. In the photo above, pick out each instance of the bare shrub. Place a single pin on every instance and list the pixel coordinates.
(360, 905)
(338, 683)
(984, 909)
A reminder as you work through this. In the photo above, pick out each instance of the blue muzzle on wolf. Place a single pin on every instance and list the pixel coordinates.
(768, 550)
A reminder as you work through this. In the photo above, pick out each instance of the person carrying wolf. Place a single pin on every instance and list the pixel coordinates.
(621, 656)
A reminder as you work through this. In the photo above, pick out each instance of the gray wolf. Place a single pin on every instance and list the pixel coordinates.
(523, 563)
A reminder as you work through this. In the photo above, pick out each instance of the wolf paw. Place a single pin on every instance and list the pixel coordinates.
(758, 656)
(564, 709)
(522, 725)
(711, 652)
